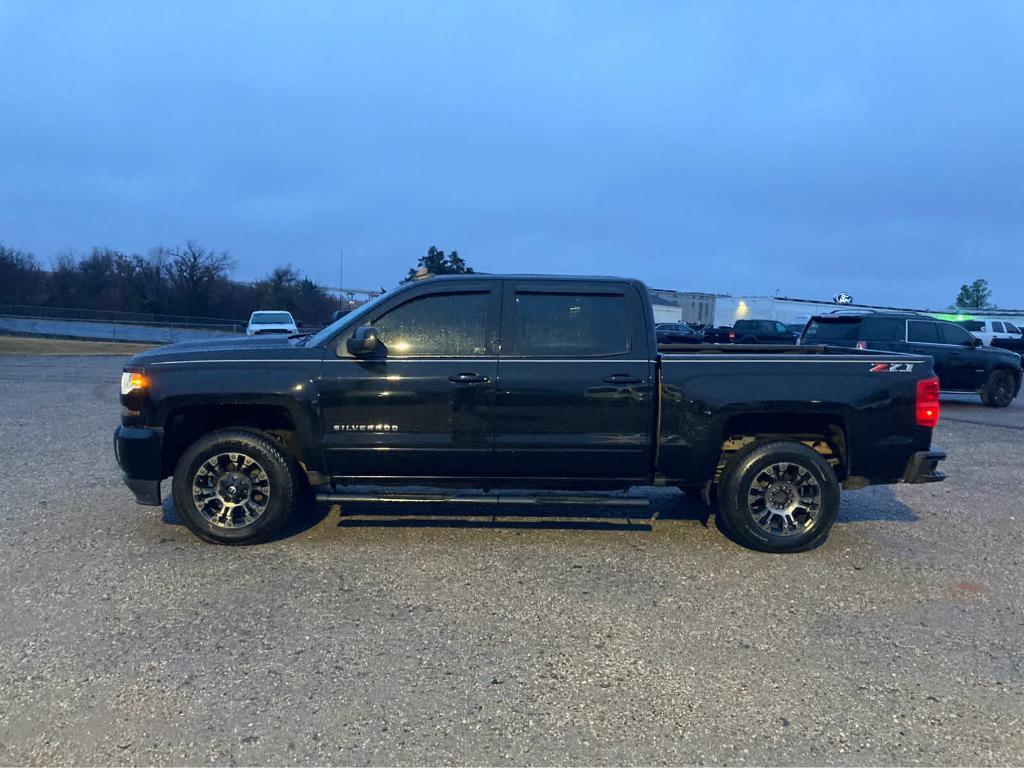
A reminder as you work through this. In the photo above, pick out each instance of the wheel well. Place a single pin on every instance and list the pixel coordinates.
(822, 433)
(186, 425)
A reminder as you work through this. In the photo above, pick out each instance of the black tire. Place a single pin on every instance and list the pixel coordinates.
(281, 485)
(754, 465)
(999, 390)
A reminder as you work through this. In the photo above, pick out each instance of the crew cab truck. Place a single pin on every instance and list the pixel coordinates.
(525, 382)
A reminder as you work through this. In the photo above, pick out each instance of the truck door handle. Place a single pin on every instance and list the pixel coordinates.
(467, 378)
(622, 378)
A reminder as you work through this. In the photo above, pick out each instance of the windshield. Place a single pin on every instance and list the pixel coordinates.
(352, 318)
(270, 318)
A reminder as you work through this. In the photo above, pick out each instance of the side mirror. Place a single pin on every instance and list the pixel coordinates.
(976, 342)
(363, 342)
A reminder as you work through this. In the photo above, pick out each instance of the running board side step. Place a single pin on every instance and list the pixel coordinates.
(482, 499)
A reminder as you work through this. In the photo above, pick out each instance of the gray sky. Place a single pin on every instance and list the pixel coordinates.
(803, 147)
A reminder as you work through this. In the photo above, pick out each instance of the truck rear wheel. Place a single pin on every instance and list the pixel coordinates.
(235, 486)
(778, 496)
(999, 389)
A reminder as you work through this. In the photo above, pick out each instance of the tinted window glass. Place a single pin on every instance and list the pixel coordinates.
(444, 324)
(841, 330)
(972, 325)
(884, 329)
(780, 328)
(923, 332)
(954, 334)
(998, 327)
(549, 324)
(1011, 328)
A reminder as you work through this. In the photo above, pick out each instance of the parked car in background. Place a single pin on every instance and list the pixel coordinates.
(677, 333)
(962, 363)
(276, 321)
(991, 330)
(762, 332)
(723, 334)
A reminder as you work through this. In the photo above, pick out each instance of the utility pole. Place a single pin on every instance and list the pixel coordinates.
(341, 278)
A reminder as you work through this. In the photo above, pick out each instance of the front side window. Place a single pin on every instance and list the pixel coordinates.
(568, 324)
(954, 334)
(437, 325)
(1011, 328)
(923, 332)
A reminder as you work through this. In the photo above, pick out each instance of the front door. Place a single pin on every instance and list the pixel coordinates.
(574, 397)
(423, 405)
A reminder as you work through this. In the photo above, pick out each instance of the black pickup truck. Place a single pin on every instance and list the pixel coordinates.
(752, 332)
(522, 382)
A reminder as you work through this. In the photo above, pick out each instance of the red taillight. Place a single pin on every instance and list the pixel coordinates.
(732, 335)
(926, 407)
(862, 345)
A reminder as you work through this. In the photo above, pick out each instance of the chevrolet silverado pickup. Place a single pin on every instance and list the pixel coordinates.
(520, 382)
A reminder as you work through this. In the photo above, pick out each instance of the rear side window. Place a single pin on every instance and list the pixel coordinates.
(883, 329)
(998, 327)
(847, 329)
(923, 332)
(569, 324)
(954, 334)
(972, 325)
(441, 324)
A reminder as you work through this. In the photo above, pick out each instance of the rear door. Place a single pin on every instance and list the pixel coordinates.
(575, 381)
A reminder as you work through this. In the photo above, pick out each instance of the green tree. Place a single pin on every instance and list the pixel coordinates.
(437, 262)
(974, 296)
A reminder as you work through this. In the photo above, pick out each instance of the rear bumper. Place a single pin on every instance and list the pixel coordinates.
(137, 450)
(923, 467)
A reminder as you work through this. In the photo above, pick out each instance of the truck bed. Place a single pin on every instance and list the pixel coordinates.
(849, 397)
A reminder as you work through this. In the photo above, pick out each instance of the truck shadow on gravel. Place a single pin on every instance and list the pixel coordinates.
(878, 503)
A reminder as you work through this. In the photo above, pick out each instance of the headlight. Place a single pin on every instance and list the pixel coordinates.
(131, 381)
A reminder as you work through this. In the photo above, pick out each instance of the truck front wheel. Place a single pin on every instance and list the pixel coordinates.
(778, 496)
(235, 486)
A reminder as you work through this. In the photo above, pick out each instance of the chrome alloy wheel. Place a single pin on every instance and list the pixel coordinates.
(784, 499)
(231, 490)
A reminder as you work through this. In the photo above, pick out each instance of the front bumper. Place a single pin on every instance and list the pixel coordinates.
(138, 452)
(923, 467)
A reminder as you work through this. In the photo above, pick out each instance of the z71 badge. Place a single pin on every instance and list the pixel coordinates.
(891, 367)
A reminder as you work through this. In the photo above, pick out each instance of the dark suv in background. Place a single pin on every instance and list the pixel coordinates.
(961, 362)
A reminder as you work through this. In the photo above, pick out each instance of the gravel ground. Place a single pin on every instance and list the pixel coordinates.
(126, 640)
